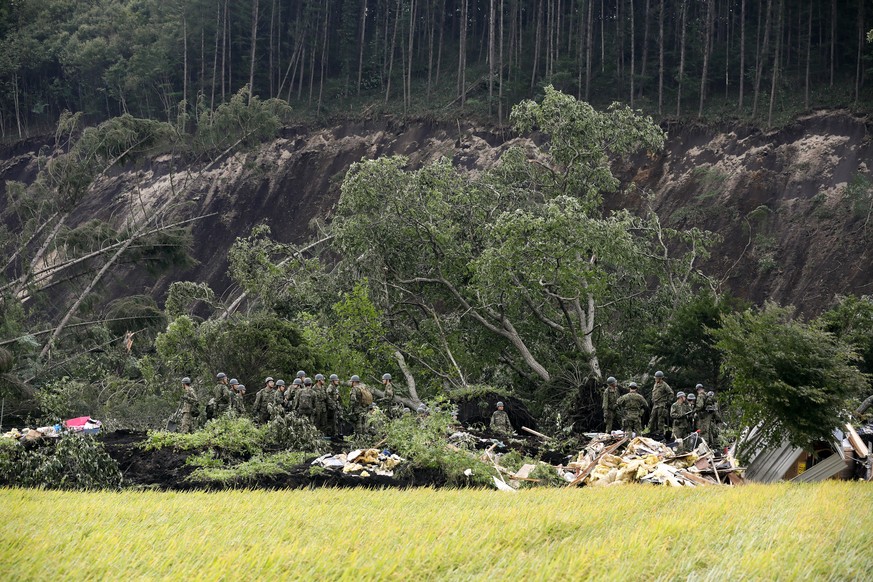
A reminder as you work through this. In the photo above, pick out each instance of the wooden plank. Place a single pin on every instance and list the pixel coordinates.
(593, 464)
(735, 479)
(856, 442)
(535, 433)
(696, 478)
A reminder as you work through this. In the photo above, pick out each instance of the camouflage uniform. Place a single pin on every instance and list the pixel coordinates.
(358, 408)
(334, 409)
(237, 405)
(610, 406)
(277, 405)
(261, 407)
(321, 404)
(500, 422)
(631, 407)
(190, 409)
(702, 418)
(305, 403)
(681, 422)
(662, 396)
(223, 398)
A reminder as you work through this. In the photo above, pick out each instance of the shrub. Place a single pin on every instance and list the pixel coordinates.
(75, 462)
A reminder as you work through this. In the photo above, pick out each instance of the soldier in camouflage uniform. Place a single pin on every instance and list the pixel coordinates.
(702, 419)
(321, 397)
(386, 403)
(263, 399)
(277, 406)
(681, 413)
(222, 397)
(296, 385)
(631, 407)
(662, 395)
(190, 407)
(712, 408)
(360, 399)
(500, 421)
(610, 402)
(238, 407)
(334, 406)
(305, 401)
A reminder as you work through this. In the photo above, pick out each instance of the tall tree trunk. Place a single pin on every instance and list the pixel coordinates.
(710, 15)
(683, 13)
(500, 71)
(537, 41)
(645, 48)
(184, 67)
(660, 57)
(270, 53)
(833, 37)
(777, 60)
(215, 55)
(742, 72)
(765, 47)
(491, 28)
(462, 55)
(224, 45)
(254, 46)
(391, 52)
(412, 11)
(431, 33)
(859, 70)
(602, 36)
(436, 79)
(633, 65)
(324, 45)
(808, 56)
(361, 41)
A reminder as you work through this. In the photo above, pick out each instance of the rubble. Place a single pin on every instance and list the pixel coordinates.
(605, 462)
(361, 462)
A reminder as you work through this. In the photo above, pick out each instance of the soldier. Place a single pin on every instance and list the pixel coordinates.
(263, 399)
(222, 398)
(701, 416)
(680, 413)
(610, 402)
(714, 412)
(277, 406)
(238, 407)
(662, 395)
(631, 407)
(300, 374)
(360, 399)
(190, 407)
(334, 406)
(500, 421)
(321, 404)
(296, 385)
(388, 398)
(305, 401)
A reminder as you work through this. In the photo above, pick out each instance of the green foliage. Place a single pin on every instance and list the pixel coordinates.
(422, 442)
(851, 320)
(292, 432)
(247, 472)
(139, 314)
(245, 118)
(183, 295)
(74, 462)
(234, 436)
(789, 378)
(180, 348)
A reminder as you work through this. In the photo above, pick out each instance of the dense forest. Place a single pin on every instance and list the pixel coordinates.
(165, 59)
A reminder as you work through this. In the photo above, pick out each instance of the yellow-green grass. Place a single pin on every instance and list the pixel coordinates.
(789, 532)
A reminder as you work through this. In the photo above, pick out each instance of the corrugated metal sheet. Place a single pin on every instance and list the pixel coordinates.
(771, 463)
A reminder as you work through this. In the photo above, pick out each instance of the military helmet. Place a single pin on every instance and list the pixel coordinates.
(280, 382)
(421, 408)
(307, 381)
(334, 377)
(680, 394)
(611, 380)
(699, 387)
(711, 394)
(186, 380)
(234, 381)
(221, 375)
(268, 379)
(301, 374)
(319, 377)
(355, 378)
(242, 386)
(297, 382)
(659, 374)
(386, 376)
(632, 385)
(692, 396)
(499, 404)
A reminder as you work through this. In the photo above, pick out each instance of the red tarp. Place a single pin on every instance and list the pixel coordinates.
(74, 422)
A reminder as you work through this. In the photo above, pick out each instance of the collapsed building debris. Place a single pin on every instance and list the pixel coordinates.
(361, 462)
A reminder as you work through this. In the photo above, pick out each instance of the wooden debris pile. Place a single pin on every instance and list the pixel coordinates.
(361, 463)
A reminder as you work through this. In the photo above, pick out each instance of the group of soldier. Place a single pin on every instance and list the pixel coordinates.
(318, 400)
(692, 415)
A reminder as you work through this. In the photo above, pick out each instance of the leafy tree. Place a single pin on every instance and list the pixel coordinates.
(851, 320)
(790, 379)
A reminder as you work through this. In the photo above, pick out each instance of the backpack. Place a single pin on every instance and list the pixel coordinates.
(365, 396)
(210, 409)
(306, 402)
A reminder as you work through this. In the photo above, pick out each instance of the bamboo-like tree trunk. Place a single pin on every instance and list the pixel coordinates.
(254, 46)
(808, 56)
(645, 56)
(765, 47)
(742, 71)
(710, 15)
(683, 13)
(777, 60)
(660, 57)
(361, 43)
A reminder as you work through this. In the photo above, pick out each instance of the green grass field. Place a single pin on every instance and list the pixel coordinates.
(815, 532)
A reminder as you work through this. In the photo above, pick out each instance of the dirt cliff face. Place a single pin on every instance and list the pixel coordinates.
(793, 207)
